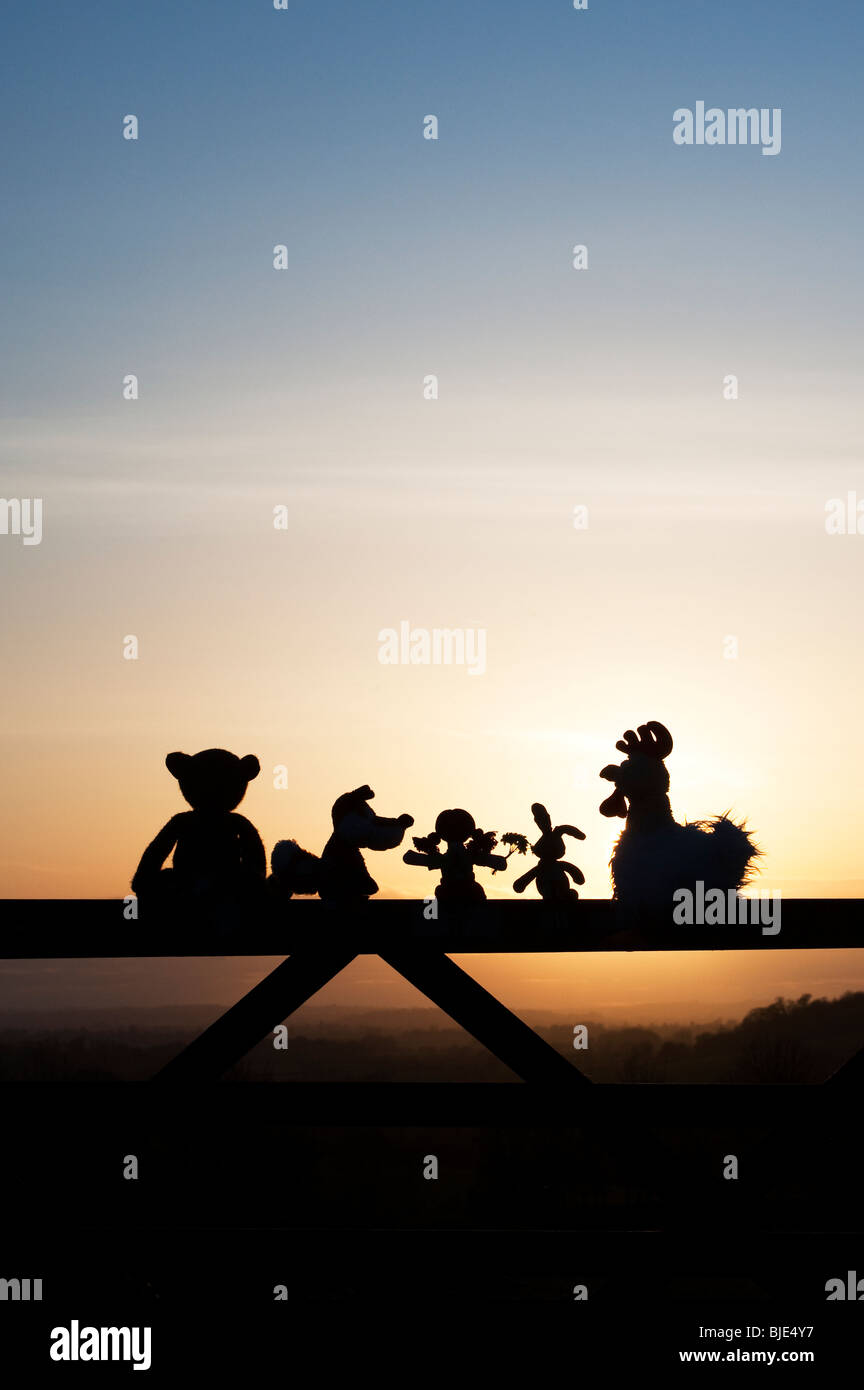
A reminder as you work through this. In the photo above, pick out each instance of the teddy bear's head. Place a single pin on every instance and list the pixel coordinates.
(213, 780)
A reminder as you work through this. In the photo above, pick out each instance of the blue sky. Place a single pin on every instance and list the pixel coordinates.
(303, 127)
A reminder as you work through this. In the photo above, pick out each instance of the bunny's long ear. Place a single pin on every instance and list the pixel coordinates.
(571, 830)
(541, 817)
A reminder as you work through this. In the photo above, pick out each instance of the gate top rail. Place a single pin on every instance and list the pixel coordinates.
(78, 928)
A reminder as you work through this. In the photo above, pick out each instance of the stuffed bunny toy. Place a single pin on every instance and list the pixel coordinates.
(552, 869)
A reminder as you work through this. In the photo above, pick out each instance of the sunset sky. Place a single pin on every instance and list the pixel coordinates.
(303, 388)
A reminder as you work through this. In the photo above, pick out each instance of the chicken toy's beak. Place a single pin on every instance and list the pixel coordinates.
(616, 804)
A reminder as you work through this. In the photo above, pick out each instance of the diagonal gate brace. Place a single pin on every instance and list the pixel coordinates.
(256, 1015)
(485, 1018)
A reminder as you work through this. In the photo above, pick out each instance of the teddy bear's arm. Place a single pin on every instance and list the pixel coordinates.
(157, 852)
(251, 848)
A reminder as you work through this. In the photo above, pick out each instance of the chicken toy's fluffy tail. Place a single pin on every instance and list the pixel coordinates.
(650, 868)
(726, 852)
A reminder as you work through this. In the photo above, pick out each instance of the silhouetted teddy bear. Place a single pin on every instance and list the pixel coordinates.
(343, 873)
(552, 868)
(216, 852)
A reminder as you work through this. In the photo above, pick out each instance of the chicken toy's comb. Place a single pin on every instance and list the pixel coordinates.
(653, 740)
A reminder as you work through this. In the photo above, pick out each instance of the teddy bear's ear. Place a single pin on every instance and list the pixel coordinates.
(250, 766)
(176, 763)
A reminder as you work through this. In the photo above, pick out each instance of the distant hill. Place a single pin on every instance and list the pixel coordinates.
(801, 1040)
